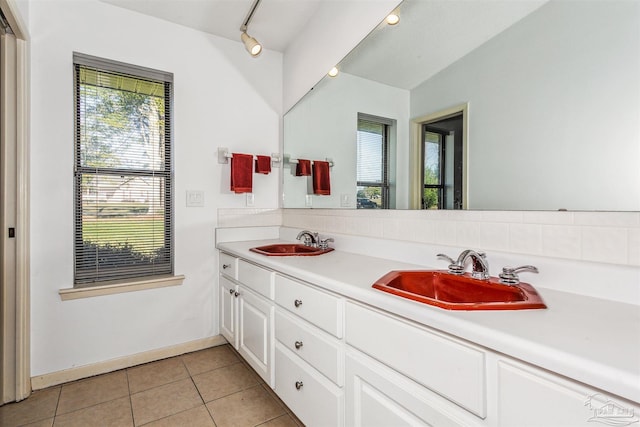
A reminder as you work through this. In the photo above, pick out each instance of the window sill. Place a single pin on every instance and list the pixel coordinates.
(119, 288)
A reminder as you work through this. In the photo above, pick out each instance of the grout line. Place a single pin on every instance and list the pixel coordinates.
(133, 419)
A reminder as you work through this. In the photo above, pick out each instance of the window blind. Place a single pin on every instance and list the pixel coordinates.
(123, 173)
(370, 151)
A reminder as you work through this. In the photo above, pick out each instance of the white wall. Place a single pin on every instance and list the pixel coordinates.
(22, 7)
(223, 97)
(530, 105)
(332, 108)
(335, 29)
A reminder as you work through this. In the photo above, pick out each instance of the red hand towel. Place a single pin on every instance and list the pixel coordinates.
(303, 168)
(263, 164)
(321, 178)
(242, 173)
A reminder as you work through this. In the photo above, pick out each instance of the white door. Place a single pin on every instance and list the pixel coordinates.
(14, 210)
(228, 311)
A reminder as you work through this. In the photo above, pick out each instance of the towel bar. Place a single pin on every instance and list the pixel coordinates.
(224, 155)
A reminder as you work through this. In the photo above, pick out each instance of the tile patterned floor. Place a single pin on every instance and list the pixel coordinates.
(208, 388)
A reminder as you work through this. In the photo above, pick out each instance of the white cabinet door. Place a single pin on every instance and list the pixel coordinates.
(529, 397)
(228, 311)
(255, 332)
(377, 396)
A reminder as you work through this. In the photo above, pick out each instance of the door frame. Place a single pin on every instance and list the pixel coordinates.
(15, 306)
(415, 152)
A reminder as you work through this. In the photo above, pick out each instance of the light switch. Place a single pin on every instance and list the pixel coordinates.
(251, 200)
(195, 199)
(345, 200)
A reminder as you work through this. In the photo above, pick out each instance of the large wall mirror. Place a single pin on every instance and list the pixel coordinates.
(549, 91)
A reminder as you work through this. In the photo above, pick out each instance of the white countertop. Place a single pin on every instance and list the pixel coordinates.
(593, 341)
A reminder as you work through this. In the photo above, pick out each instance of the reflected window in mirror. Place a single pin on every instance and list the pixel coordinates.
(442, 164)
(373, 159)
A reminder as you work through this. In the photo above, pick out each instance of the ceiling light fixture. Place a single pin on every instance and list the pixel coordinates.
(333, 72)
(252, 45)
(392, 19)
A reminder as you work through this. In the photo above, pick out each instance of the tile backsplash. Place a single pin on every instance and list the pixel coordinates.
(602, 237)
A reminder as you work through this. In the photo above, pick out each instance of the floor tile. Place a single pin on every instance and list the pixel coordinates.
(196, 417)
(283, 421)
(155, 374)
(92, 391)
(115, 413)
(208, 388)
(43, 423)
(224, 381)
(273, 394)
(163, 401)
(209, 359)
(248, 408)
(41, 405)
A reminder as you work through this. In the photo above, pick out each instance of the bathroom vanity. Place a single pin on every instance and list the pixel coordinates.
(340, 353)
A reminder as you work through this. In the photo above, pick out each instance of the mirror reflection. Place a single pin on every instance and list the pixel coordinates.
(526, 105)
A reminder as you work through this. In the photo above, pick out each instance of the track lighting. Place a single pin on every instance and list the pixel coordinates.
(252, 45)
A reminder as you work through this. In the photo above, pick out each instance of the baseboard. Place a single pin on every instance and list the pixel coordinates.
(47, 380)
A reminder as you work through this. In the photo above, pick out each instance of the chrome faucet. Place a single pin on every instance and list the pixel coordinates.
(480, 268)
(310, 239)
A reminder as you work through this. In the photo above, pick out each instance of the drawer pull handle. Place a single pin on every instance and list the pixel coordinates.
(231, 291)
(225, 266)
(299, 385)
(297, 303)
(298, 344)
(236, 294)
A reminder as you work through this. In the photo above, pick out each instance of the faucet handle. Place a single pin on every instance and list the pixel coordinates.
(447, 257)
(509, 275)
(454, 267)
(324, 243)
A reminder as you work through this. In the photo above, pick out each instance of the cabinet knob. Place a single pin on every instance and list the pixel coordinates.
(298, 344)
(225, 266)
(299, 385)
(236, 294)
(297, 303)
(231, 291)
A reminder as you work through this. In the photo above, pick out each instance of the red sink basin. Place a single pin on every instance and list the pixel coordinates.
(289, 249)
(452, 292)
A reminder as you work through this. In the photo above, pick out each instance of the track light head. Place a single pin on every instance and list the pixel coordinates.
(252, 45)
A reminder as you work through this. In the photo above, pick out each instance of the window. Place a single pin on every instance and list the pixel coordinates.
(123, 172)
(373, 162)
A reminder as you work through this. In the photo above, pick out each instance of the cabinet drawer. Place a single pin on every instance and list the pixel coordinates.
(256, 278)
(315, 306)
(228, 265)
(313, 398)
(314, 346)
(447, 366)
(378, 395)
